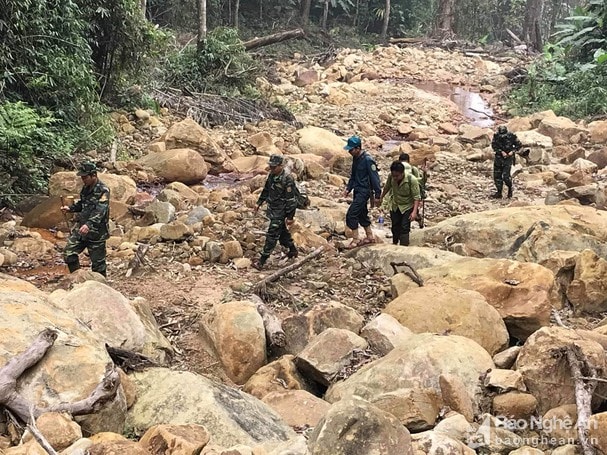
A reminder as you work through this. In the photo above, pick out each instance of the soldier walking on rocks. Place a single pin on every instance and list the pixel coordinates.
(364, 181)
(280, 194)
(505, 145)
(91, 230)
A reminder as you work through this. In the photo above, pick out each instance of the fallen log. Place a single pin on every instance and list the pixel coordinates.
(274, 334)
(260, 288)
(274, 38)
(584, 378)
(15, 402)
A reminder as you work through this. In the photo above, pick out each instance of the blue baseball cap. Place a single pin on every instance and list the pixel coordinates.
(353, 143)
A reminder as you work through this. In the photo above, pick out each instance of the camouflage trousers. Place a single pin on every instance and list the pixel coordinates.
(277, 232)
(501, 172)
(76, 244)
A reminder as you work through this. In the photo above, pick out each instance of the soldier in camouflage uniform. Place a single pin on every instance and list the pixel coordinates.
(505, 145)
(91, 230)
(279, 193)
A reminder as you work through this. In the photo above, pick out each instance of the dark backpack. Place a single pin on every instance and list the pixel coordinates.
(301, 195)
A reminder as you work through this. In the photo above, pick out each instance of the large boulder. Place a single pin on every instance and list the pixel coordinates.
(253, 164)
(178, 397)
(176, 165)
(47, 215)
(190, 135)
(598, 131)
(523, 293)
(417, 363)
(235, 331)
(319, 141)
(527, 233)
(122, 188)
(106, 311)
(357, 427)
(560, 129)
(453, 310)
(71, 368)
(587, 291)
(543, 364)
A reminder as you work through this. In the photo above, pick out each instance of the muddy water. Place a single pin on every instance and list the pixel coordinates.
(470, 103)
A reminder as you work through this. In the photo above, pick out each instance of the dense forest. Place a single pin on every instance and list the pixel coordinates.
(65, 63)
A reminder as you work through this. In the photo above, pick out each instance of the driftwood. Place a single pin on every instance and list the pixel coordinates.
(260, 288)
(272, 325)
(409, 271)
(138, 259)
(274, 38)
(12, 371)
(584, 377)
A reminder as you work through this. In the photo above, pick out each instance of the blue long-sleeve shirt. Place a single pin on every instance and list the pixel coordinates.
(364, 176)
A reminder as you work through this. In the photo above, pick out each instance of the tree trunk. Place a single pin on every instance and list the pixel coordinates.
(531, 25)
(274, 38)
(202, 23)
(356, 12)
(236, 13)
(384, 27)
(261, 10)
(143, 5)
(305, 13)
(443, 24)
(325, 15)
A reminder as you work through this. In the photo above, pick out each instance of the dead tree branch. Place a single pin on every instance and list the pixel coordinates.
(274, 38)
(138, 259)
(260, 288)
(409, 271)
(272, 325)
(584, 389)
(12, 371)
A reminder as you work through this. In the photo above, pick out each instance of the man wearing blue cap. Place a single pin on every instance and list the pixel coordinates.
(364, 181)
(279, 193)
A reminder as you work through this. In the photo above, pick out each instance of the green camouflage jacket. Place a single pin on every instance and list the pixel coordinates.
(93, 209)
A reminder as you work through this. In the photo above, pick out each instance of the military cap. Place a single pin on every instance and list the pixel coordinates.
(87, 169)
(275, 160)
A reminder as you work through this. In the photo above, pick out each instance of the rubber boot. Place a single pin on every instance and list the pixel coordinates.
(293, 253)
(496, 195)
(404, 239)
(509, 192)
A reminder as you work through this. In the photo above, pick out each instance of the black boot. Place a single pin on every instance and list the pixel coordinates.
(293, 253)
(509, 192)
(496, 195)
(259, 263)
(73, 265)
(404, 239)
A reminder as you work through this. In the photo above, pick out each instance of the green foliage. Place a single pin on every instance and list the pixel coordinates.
(584, 35)
(574, 91)
(222, 66)
(30, 141)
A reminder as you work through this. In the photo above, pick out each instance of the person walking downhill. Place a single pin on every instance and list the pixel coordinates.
(364, 182)
(505, 145)
(91, 230)
(280, 194)
(404, 203)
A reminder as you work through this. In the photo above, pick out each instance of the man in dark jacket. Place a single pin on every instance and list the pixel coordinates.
(279, 193)
(91, 230)
(505, 145)
(364, 181)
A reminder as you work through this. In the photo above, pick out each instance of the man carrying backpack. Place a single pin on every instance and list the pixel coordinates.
(280, 193)
(404, 203)
(505, 145)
